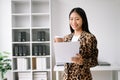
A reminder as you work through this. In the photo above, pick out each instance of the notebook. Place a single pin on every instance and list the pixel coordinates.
(64, 51)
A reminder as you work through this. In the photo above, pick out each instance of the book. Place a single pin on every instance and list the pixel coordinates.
(22, 36)
(43, 50)
(20, 50)
(44, 64)
(35, 50)
(22, 64)
(24, 76)
(16, 50)
(24, 50)
(41, 64)
(19, 36)
(40, 53)
(40, 75)
(33, 63)
(41, 35)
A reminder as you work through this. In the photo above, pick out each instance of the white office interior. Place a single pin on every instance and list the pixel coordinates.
(103, 19)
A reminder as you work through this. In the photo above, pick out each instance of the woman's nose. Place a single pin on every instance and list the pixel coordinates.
(74, 21)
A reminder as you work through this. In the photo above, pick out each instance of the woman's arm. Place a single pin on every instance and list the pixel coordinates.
(89, 52)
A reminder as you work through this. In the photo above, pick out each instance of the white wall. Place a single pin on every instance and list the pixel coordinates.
(5, 29)
(5, 26)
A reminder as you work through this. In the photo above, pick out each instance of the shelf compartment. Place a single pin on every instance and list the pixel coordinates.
(41, 75)
(41, 63)
(22, 76)
(21, 21)
(40, 21)
(21, 35)
(40, 49)
(21, 64)
(40, 35)
(20, 0)
(20, 6)
(39, 6)
(20, 50)
(41, 0)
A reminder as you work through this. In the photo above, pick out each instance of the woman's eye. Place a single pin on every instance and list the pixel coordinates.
(71, 19)
(77, 19)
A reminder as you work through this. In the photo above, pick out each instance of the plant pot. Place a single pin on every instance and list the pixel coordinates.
(1, 76)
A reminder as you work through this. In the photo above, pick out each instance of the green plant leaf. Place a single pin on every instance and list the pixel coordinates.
(4, 62)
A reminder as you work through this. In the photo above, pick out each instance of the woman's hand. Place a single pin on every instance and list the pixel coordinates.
(77, 59)
(58, 39)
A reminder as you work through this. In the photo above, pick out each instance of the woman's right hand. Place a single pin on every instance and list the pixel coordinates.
(77, 59)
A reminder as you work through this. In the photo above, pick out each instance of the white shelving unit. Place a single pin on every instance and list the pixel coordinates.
(31, 39)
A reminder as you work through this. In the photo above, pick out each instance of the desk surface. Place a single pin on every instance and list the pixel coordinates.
(97, 68)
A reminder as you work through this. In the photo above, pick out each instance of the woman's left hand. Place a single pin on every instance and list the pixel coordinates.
(77, 59)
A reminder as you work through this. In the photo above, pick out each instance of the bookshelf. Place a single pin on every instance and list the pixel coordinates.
(31, 39)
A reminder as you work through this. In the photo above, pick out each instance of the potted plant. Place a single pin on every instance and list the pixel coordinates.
(4, 64)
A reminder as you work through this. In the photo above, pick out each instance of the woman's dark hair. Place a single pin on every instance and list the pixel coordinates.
(82, 13)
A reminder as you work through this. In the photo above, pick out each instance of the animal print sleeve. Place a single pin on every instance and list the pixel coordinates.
(89, 51)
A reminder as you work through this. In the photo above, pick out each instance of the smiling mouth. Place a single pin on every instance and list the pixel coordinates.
(74, 26)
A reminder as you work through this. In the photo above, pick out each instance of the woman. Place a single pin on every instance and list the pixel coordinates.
(79, 69)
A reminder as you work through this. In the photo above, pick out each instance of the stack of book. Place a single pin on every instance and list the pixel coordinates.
(41, 64)
(40, 76)
(39, 50)
(22, 36)
(20, 50)
(41, 36)
(24, 76)
(23, 64)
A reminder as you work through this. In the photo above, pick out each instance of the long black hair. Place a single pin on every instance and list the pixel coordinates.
(82, 13)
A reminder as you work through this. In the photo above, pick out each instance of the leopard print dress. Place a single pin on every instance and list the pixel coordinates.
(89, 53)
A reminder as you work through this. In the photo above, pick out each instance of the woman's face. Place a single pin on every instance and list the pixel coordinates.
(75, 21)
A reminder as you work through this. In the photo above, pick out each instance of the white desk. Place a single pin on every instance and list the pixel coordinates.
(97, 68)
